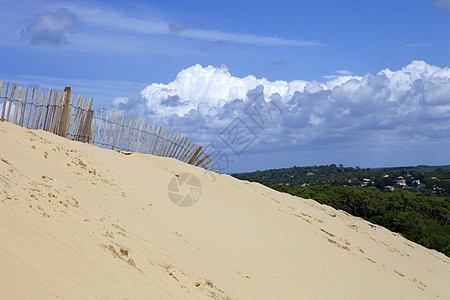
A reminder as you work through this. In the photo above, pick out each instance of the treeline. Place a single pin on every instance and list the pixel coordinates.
(419, 218)
(427, 180)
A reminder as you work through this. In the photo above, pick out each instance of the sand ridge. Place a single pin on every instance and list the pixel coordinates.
(79, 221)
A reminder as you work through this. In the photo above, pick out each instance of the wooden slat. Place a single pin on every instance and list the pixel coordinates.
(87, 128)
(24, 105)
(94, 128)
(120, 132)
(39, 115)
(194, 156)
(144, 133)
(30, 108)
(148, 138)
(90, 116)
(188, 153)
(104, 130)
(136, 126)
(36, 107)
(56, 122)
(115, 131)
(55, 113)
(65, 112)
(76, 118)
(180, 148)
(47, 110)
(125, 134)
(80, 120)
(157, 139)
(110, 129)
(202, 159)
(73, 119)
(130, 138)
(166, 142)
(139, 136)
(46, 107)
(151, 143)
(16, 107)
(179, 144)
(133, 149)
(185, 151)
(4, 102)
(170, 143)
(130, 134)
(59, 114)
(11, 99)
(99, 127)
(52, 111)
(206, 163)
(161, 142)
(173, 144)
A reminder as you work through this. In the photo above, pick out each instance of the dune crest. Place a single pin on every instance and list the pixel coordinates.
(77, 221)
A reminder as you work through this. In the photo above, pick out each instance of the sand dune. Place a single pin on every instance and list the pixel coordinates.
(81, 222)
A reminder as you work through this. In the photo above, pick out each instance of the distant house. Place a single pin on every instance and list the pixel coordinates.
(385, 175)
(400, 181)
(310, 174)
(389, 187)
(305, 184)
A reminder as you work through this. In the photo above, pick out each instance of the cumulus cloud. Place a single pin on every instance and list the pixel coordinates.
(387, 109)
(50, 27)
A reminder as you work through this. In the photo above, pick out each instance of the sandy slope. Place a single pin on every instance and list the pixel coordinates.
(81, 222)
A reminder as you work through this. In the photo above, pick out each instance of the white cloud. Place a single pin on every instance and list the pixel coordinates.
(388, 110)
(344, 72)
(50, 27)
(118, 22)
(417, 45)
(443, 3)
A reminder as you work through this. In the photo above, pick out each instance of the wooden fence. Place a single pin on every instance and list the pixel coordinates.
(57, 112)
(52, 111)
(117, 132)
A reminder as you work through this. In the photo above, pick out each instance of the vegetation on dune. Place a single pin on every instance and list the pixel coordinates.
(416, 206)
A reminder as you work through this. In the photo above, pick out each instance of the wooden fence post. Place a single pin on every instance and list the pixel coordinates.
(66, 111)
(24, 105)
(30, 108)
(16, 107)
(11, 99)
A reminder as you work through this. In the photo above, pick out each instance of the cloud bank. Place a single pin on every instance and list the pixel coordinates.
(384, 112)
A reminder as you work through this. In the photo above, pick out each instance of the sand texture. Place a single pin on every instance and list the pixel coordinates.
(79, 222)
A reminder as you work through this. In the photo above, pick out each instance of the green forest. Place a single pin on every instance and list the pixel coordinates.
(413, 201)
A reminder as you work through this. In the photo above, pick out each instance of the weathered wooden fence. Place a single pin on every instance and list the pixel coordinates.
(117, 132)
(52, 111)
(57, 112)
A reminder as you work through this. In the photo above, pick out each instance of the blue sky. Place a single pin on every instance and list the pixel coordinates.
(355, 82)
